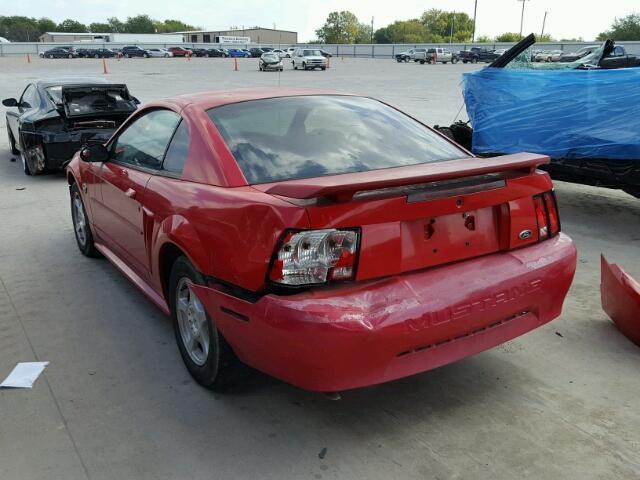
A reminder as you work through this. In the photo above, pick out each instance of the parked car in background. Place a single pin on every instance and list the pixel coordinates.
(308, 59)
(294, 230)
(52, 119)
(548, 56)
(281, 53)
(99, 53)
(216, 52)
(267, 49)
(60, 52)
(404, 56)
(290, 51)
(500, 51)
(478, 54)
(256, 52)
(420, 55)
(135, 51)
(578, 54)
(159, 52)
(238, 53)
(199, 52)
(441, 55)
(179, 51)
(270, 61)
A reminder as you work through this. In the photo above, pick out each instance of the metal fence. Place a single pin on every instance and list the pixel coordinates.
(346, 50)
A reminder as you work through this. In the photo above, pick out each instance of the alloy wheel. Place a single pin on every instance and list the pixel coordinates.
(79, 219)
(192, 322)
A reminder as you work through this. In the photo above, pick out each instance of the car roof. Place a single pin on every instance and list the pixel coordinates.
(51, 82)
(207, 100)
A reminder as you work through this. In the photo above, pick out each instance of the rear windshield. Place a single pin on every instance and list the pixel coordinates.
(312, 136)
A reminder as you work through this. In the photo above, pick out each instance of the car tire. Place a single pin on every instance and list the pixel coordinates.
(548, 59)
(96, 56)
(295, 67)
(454, 60)
(81, 228)
(323, 68)
(474, 60)
(50, 55)
(464, 61)
(69, 56)
(444, 63)
(422, 62)
(126, 55)
(206, 354)
(12, 142)
(145, 55)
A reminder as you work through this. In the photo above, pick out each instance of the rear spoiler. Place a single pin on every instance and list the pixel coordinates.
(348, 184)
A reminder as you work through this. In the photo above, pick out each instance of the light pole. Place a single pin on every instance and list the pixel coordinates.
(453, 21)
(475, 10)
(371, 30)
(544, 21)
(522, 16)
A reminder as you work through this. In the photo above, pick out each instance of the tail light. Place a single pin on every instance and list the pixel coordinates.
(546, 215)
(315, 257)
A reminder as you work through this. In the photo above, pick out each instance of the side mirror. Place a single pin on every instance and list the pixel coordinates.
(94, 153)
(10, 102)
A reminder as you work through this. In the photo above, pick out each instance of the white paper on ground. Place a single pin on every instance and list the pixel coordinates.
(24, 375)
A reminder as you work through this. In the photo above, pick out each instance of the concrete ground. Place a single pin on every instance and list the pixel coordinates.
(562, 402)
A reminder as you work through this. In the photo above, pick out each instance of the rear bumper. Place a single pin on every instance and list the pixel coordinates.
(356, 335)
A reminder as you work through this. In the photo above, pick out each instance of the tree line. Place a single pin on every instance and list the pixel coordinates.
(440, 26)
(27, 29)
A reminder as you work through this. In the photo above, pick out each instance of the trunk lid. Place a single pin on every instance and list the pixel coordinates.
(426, 215)
(96, 100)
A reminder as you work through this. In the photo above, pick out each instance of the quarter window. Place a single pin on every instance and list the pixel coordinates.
(144, 142)
(178, 149)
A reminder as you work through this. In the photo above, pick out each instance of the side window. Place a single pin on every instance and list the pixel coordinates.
(29, 97)
(144, 142)
(176, 155)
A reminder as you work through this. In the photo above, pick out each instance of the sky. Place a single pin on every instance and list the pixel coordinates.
(565, 19)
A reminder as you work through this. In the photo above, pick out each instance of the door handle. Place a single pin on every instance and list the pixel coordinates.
(131, 193)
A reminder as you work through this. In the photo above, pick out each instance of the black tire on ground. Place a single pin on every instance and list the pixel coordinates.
(12, 142)
(221, 368)
(145, 55)
(474, 60)
(70, 56)
(50, 55)
(444, 63)
(304, 66)
(454, 60)
(422, 62)
(96, 56)
(464, 61)
(323, 68)
(85, 241)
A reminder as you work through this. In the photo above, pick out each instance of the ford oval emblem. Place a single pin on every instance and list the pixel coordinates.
(525, 234)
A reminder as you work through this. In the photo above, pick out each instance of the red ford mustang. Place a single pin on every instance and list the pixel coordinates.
(326, 239)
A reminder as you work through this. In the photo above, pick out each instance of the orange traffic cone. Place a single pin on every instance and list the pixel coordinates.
(28, 58)
(104, 66)
(235, 61)
(328, 62)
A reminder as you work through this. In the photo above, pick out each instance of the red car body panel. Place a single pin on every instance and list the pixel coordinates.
(620, 295)
(355, 335)
(179, 51)
(461, 289)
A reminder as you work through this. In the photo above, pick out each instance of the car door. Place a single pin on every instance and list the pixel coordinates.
(135, 155)
(29, 101)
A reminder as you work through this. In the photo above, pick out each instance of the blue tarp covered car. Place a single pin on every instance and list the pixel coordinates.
(583, 114)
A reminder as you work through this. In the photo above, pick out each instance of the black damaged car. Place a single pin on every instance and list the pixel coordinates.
(54, 118)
